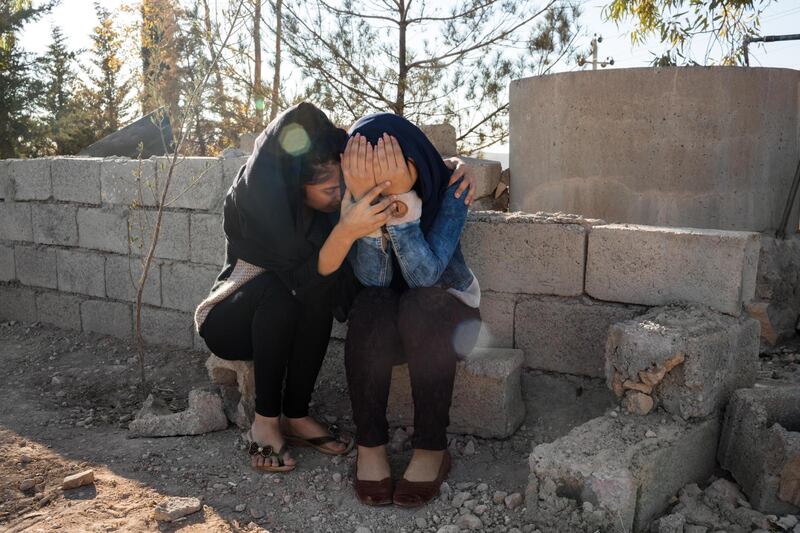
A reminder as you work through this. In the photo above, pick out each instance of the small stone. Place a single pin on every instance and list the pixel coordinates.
(483, 487)
(469, 521)
(613, 414)
(480, 509)
(460, 498)
(470, 504)
(256, 513)
(650, 434)
(362, 529)
(27, 484)
(25, 459)
(499, 497)
(469, 449)
(513, 501)
(240, 508)
(420, 522)
(78, 480)
(637, 403)
(176, 507)
(337, 477)
(588, 507)
(672, 523)
(695, 529)
(787, 522)
(450, 528)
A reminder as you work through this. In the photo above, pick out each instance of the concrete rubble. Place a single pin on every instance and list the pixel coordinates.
(760, 446)
(203, 415)
(685, 358)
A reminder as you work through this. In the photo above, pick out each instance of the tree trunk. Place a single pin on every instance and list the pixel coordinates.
(402, 68)
(258, 93)
(276, 77)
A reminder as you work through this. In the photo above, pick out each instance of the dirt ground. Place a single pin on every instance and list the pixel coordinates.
(68, 397)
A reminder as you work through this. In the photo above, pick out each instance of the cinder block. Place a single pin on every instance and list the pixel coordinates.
(497, 320)
(487, 397)
(627, 477)
(487, 175)
(230, 169)
(36, 266)
(173, 238)
(31, 178)
(689, 358)
(60, 310)
(567, 335)
(526, 254)
(128, 182)
(81, 272)
(76, 179)
(7, 269)
(122, 278)
(653, 265)
(196, 182)
(106, 317)
(55, 224)
(163, 326)
(237, 384)
(184, 285)
(443, 138)
(18, 304)
(760, 446)
(6, 180)
(207, 239)
(103, 228)
(15, 222)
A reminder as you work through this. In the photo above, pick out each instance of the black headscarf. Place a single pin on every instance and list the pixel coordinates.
(432, 173)
(264, 216)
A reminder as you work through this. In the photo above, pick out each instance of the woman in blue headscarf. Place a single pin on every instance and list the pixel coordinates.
(421, 305)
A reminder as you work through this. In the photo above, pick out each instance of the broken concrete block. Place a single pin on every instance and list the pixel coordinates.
(777, 320)
(526, 254)
(566, 335)
(487, 396)
(627, 477)
(238, 386)
(78, 480)
(203, 415)
(176, 507)
(442, 136)
(487, 176)
(760, 446)
(691, 357)
(653, 265)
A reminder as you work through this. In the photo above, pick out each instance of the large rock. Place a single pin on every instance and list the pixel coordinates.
(627, 476)
(760, 446)
(652, 265)
(688, 358)
(487, 397)
(203, 415)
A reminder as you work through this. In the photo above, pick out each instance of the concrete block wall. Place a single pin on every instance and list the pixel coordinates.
(73, 231)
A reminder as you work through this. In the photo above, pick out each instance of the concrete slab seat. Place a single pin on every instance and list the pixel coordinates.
(686, 358)
(617, 473)
(760, 446)
(487, 399)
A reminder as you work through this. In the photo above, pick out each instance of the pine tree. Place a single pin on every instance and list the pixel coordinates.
(418, 60)
(20, 90)
(109, 94)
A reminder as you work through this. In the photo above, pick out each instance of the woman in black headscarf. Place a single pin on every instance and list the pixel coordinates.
(283, 277)
(421, 306)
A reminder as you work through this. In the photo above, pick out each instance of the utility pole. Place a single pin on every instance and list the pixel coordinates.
(765, 39)
(596, 40)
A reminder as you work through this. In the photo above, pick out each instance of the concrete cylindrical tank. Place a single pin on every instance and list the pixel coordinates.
(706, 147)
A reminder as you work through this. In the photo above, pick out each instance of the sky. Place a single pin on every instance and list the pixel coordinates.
(77, 18)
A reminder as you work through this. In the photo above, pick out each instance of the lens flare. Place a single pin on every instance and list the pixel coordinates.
(465, 336)
(294, 139)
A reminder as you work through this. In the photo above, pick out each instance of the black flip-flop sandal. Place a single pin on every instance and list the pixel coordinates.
(268, 452)
(318, 443)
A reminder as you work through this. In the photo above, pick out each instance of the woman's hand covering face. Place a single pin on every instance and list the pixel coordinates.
(390, 164)
(358, 167)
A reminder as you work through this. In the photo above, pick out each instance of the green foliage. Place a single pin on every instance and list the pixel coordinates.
(676, 22)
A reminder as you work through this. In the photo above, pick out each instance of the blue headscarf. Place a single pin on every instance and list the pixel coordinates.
(432, 173)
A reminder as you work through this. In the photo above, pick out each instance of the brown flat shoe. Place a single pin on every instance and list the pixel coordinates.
(374, 493)
(418, 493)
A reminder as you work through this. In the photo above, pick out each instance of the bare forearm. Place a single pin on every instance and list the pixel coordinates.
(334, 250)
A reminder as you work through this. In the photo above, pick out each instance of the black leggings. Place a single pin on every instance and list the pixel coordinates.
(283, 336)
(429, 329)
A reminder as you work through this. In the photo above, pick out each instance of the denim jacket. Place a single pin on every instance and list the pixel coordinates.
(432, 261)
